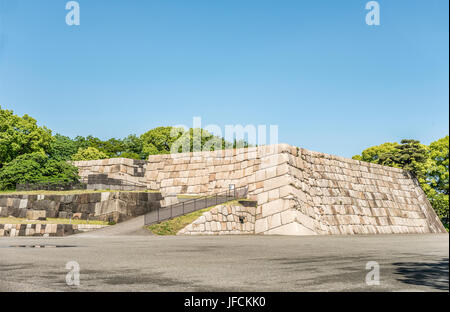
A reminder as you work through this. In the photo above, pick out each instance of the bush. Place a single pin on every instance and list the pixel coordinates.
(440, 204)
(90, 153)
(36, 168)
(130, 155)
(62, 148)
(21, 135)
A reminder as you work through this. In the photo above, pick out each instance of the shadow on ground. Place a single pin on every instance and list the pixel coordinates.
(431, 274)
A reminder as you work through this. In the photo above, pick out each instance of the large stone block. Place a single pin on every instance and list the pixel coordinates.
(273, 207)
(261, 226)
(291, 229)
(35, 214)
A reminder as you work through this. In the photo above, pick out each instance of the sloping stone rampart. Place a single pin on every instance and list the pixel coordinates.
(127, 170)
(300, 192)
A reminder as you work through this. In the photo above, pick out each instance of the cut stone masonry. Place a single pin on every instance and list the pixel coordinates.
(298, 192)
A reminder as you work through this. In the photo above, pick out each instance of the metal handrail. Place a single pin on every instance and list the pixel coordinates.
(208, 196)
(150, 217)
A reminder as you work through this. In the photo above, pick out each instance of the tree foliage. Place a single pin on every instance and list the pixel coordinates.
(89, 153)
(130, 155)
(29, 153)
(379, 154)
(36, 167)
(132, 144)
(438, 174)
(21, 135)
(62, 148)
(161, 140)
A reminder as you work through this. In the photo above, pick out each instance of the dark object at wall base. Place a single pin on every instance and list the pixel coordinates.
(248, 203)
(51, 186)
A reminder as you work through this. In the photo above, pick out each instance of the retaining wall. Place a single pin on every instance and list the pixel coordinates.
(223, 220)
(45, 230)
(129, 170)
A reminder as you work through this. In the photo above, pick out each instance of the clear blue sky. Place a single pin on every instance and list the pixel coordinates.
(314, 68)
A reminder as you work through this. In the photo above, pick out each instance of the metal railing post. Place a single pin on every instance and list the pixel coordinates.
(183, 207)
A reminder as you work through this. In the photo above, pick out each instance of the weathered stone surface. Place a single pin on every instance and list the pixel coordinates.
(36, 214)
(13, 230)
(108, 206)
(222, 219)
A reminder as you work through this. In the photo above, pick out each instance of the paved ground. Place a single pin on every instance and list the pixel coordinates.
(133, 227)
(227, 263)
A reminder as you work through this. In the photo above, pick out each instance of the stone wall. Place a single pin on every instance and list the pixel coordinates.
(102, 181)
(45, 230)
(208, 172)
(301, 192)
(222, 220)
(106, 206)
(334, 195)
(122, 169)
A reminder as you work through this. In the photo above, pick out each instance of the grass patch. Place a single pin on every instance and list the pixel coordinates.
(12, 220)
(185, 196)
(172, 226)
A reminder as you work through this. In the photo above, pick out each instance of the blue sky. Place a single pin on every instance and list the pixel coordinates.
(314, 68)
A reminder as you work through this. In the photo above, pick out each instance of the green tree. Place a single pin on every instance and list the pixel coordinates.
(62, 148)
(159, 140)
(89, 153)
(438, 174)
(89, 141)
(36, 167)
(130, 155)
(21, 135)
(409, 155)
(379, 154)
(112, 147)
(437, 178)
(133, 144)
